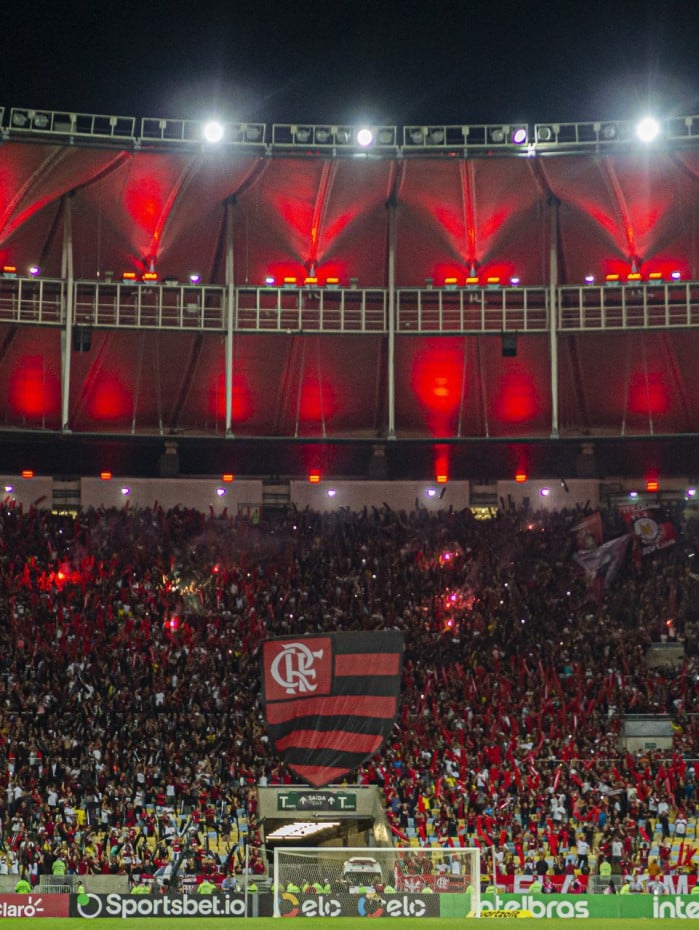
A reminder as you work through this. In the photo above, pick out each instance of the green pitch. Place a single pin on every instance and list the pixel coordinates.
(342, 923)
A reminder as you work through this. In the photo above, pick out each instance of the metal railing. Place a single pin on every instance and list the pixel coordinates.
(174, 306)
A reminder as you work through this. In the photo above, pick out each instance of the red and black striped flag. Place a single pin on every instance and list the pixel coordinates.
(330, 701)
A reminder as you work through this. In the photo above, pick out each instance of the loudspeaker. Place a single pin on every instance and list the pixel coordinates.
(82, 339)
(509, 345)
(169, 464)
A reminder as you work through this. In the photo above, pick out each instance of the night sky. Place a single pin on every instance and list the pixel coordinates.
(377, 61)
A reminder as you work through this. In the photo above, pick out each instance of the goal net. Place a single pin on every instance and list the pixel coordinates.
(377, 875)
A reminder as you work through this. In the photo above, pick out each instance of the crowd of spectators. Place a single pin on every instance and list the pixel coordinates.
(129, 682)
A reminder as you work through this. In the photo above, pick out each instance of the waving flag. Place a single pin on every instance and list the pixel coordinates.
(330, 701)
(602, 564)
(650, 527)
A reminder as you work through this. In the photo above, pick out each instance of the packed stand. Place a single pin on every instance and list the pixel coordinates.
(129, 682)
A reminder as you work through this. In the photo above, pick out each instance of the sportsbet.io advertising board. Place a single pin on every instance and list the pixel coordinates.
(573, 907)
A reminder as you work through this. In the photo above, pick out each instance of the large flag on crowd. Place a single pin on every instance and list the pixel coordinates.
(650, 528)
(330, 700)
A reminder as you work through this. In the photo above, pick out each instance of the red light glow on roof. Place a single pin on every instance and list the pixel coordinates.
(520, 477)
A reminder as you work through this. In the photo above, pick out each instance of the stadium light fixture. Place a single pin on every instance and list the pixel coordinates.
(195, 278)
(519, 135)
(220, 492)
(34, 271)
(125, 491)
(9, 488)
(213, 131)
(647, 129)
(365, 137)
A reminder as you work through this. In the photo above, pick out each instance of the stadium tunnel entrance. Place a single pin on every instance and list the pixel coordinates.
(300, 815)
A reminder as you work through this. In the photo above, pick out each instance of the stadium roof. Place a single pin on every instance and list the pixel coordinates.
(325, 246)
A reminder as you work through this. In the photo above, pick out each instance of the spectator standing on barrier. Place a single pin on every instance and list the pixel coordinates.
(583, 848)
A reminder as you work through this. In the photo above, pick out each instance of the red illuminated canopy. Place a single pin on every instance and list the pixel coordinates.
(323, 221)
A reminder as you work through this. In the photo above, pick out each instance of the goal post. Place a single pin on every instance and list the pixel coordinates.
(346, 874)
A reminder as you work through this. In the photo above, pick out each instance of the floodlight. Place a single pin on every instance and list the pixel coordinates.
(417, 135)
(41, 120)
(647, 129)
(519, 136)
(514, 280)
(436, 135)
(20, 119)
(365, 137)
(34, 271)
(220, 492)
(301, 133)
(498, 134)
(253, 133)
(194, 278)
(589, 279)
(544, 134)
(676, 275)
(322, 134)
(343, 135)
(213, 131)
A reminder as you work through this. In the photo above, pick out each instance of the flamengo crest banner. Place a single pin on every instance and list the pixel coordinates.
(330, 701)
